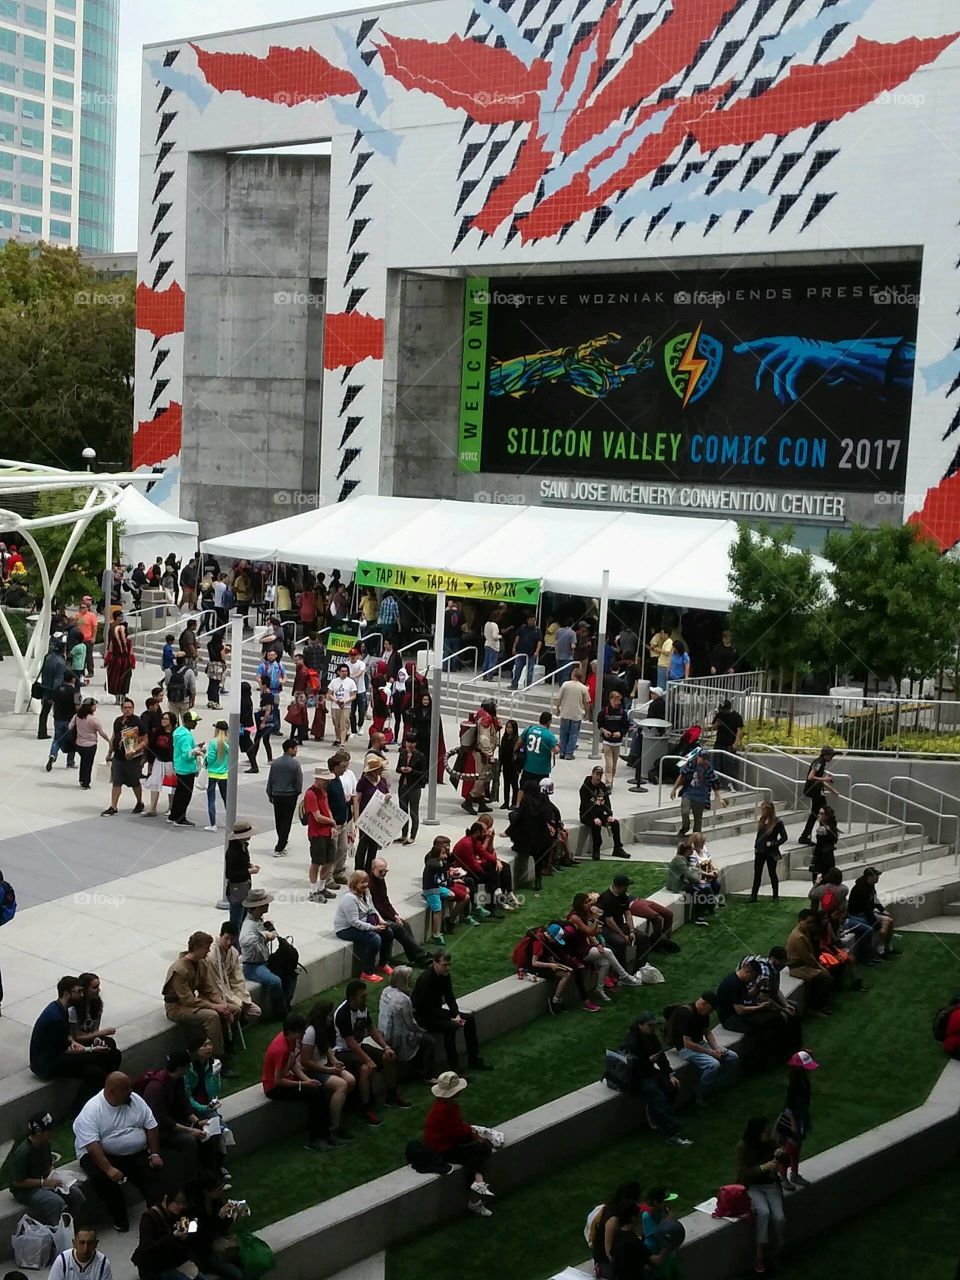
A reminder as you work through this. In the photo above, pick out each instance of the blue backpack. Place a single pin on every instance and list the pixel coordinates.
(8, 902)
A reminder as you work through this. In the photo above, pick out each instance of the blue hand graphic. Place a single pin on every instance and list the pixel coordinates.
(865, 362)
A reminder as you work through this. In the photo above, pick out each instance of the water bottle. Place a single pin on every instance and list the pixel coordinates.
(521, 975)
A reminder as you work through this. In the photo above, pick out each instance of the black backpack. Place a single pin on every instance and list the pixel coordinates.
(285, 961)
(940, 1020)
(177, 687)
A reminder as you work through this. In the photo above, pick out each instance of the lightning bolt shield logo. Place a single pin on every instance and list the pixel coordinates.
(692, 361)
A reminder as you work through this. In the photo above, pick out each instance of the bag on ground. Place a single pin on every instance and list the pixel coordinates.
(649, 975)
(33, 1244)
(63, 1234)
(256, 1256)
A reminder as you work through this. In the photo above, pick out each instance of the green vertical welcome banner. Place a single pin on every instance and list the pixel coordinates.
(473, 376)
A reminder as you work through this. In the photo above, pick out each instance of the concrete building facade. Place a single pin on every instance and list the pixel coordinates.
(695, 257)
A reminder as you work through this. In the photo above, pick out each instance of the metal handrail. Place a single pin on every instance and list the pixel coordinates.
(798, 782)
(936, 813)
(901, 823)
(469, 648)
(482, 676)
(181, 620)
(549, 677)
(322, 632)
(663, 759)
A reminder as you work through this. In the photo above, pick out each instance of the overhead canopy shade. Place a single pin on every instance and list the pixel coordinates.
(672, 560)
(148, 531)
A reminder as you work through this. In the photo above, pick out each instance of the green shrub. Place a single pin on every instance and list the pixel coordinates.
(925, 741)
(20, 628)
(779, 733)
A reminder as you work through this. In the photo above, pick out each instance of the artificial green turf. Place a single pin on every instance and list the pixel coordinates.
(851, 1095)
(532, 1065)
(915, 1234)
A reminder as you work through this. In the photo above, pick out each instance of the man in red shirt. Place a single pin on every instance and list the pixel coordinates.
(320, 827)
(284, 1080)
(86, 621)
(447, 1133)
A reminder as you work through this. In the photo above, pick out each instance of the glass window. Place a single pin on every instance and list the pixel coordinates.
(7, 102)
(65, 27)
(34, 80)
(31, 166)
(8, 40)
(6, 132)
(35, 49)
(6, 160)
(60, 230)
(69, 6)
(61, 173)
(6, 220)
(63, 147)
(62, 118)
(8, 74)
(62, 89)
(6, 189)
(31, 110)
(35, 17)
(31, 138)
(8, 9)
(32, 225)
(63, 58)
(61, 201)
(31, 195)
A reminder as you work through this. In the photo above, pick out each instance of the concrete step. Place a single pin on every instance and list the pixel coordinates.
(951, 908)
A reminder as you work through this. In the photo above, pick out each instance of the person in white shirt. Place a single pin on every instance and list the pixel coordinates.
(573, 705)
(357, 668)
(117, 1139)
(341, 694)
(491, 643)
(84, 1261)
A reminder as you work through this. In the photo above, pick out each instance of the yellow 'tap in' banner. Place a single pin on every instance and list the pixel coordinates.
(399, 577)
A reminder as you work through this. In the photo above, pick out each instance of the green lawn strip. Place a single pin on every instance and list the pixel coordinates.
(533, 1065)
(925, 1247)
(480, 955)
(853, 1092)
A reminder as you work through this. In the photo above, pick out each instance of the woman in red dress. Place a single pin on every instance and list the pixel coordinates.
(119, 659)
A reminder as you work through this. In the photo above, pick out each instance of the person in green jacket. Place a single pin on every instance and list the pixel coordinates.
(685, 879)
(186, 762)
(202, 1081)
(218, 755)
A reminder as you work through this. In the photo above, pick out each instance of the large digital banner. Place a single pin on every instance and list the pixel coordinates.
(782, 378)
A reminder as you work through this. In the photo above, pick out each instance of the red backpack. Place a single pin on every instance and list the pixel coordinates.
(733, 1202)
(313, 681)
(521, 956)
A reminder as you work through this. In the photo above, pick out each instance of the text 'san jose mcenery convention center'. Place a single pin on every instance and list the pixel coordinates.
(658, 257)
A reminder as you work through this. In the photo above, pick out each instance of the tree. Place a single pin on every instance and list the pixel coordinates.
(66, 377)
(776, 618)
(83, 573)
(896, 603)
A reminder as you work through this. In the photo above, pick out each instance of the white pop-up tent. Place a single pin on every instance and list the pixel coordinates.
(148, 531)
(667, 560)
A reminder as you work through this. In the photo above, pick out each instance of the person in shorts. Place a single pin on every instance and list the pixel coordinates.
(125, 758)
(321, 828)
(353, 1026)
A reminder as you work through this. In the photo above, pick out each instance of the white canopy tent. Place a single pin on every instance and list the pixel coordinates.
(666, 560)
(148, 531)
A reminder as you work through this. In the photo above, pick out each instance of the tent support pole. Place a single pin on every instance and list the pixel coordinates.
(601, 653)
(233, 738)
(643, 646)
(436, 679)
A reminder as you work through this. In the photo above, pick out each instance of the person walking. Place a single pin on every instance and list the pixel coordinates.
(371, 781)
(526, 650)
(572, 704)
(794, 1123)
(284, 787)
(125, 757)
(267, 722)
(695, 782)
(162, 776)
(322, 836)
(186, 765)
(87, 623)
(614, 726)
(341, 694)
(824, 857)
(491, 643)
(818, 782)
(50, 679)
(87, 728)
(411, 776)
(64, 708)
(119, 659)
(770, 838)
(218, 768)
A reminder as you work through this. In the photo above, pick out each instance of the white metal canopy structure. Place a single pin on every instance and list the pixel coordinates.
(149, 531)
(667, 560)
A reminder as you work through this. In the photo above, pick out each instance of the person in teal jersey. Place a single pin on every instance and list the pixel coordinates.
(540, 748)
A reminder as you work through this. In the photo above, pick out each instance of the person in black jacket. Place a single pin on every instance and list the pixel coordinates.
(824, 857)
(532, 829)
(411, 776)
(614, 726)
(435, 1007)
(238, 869)
(64, 705)
(51, 678)
(771, 836)
(651, 1077)
(596, 813)
(818, 782)
(510, 764)
(165, 1244)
